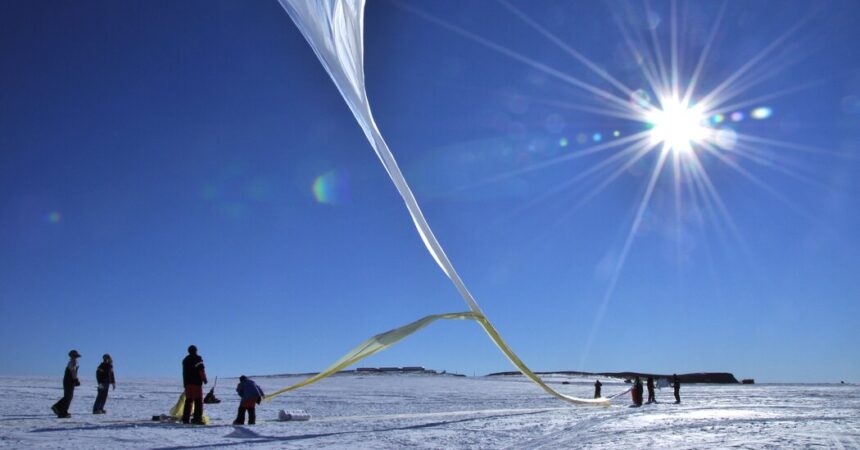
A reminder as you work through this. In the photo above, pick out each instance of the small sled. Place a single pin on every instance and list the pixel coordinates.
(210, 397)
(296, 415)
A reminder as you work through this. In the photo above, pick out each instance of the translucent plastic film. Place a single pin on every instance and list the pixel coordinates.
(373, 345)
(335, 31)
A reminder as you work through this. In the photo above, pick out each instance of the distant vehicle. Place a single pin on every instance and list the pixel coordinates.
(747, 381)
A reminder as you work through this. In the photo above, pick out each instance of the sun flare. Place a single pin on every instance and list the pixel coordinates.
(677, 126)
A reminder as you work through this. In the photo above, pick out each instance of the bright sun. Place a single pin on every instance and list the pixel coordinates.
(677, 126)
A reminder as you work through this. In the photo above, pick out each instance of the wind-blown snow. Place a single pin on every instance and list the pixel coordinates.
(396, 411)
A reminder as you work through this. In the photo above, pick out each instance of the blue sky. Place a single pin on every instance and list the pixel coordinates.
(186, 172)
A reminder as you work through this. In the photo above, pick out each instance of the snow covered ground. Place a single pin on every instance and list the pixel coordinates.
(424, 411)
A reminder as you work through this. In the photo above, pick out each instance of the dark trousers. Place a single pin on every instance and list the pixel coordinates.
(198, 410)
(252, 416)
(677, 395)
(651, 398)
(101, 398)
(63, 405)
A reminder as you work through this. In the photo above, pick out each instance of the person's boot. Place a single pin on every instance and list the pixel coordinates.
(240, 417)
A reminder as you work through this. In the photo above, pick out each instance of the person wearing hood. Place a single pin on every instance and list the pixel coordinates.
(251, 396)
(70, 381)
(105, 379)
(597, 385)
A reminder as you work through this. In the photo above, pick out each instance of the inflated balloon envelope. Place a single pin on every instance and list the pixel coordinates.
(335, 31)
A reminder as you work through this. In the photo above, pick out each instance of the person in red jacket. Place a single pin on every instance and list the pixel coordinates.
(650, 385)
(193, 377)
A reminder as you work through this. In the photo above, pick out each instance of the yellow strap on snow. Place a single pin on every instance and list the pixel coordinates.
(335, 31)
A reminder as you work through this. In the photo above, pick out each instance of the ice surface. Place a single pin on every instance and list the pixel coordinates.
(425, 411)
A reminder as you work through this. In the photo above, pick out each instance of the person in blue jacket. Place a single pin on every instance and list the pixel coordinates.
(251, 396)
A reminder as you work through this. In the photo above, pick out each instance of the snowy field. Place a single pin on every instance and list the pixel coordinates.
(422, 411)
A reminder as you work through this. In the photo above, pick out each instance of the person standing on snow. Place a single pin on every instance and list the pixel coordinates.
(597, 385)
(193, 377)
(70, 381)
(650, 385)
(105, 379)
(251, 396)
(676, 383)
(637, 392)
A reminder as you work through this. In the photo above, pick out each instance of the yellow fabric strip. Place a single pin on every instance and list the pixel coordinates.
(179, 408)
(373, 345)
(382, 341)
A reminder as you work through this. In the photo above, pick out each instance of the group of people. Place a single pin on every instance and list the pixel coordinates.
(104, 378)
(193, 379)
(636, 391)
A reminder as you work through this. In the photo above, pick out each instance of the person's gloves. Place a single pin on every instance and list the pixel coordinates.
(77, 383)
(259, 400)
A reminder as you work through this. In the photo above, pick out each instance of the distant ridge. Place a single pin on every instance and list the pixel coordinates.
(700, 377)
(373, 371)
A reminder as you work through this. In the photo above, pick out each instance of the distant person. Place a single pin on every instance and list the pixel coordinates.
(193, 377)
(70, 381)
(650, 385)
(597, 385)
(676, 383)
(637, 392)
(105, 379)
(251, 396)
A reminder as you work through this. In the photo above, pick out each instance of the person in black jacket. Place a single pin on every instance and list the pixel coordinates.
(105, 379)
(193, 377)
(597, 385)
(650, 385)
(676, 383)
(70, 381)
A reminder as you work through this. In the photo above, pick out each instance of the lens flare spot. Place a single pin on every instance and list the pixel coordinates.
(563, 142)
(330, 188)
(641, 98)
(596, 137)
(761, 113)
(737, 116)
(616, 133)
(54, 217)
(718, 118)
